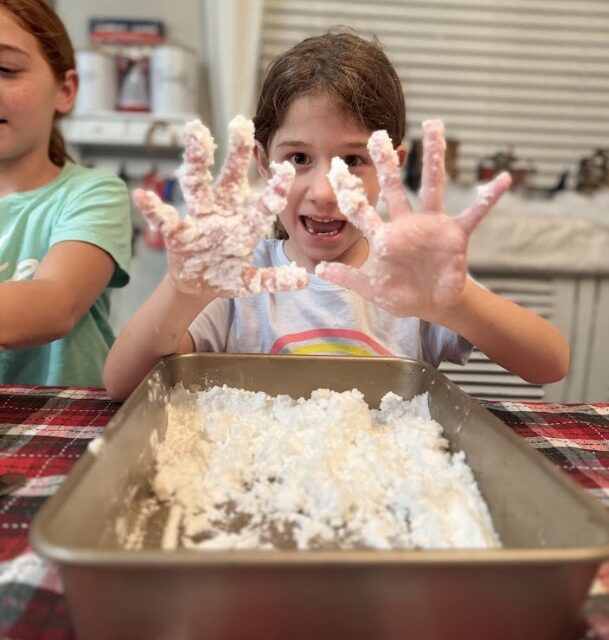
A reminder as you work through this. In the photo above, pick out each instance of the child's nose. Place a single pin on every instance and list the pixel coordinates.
(320, 189)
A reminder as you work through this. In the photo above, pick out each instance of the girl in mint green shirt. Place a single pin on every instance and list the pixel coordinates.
(64, 230)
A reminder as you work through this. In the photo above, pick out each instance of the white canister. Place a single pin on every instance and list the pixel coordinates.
(97, 86)
(173, 81)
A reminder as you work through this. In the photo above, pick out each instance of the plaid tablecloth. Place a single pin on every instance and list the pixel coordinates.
(43, 431)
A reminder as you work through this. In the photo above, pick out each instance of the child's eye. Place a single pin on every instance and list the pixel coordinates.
(299, 158)
(352, 161)
(7, 70)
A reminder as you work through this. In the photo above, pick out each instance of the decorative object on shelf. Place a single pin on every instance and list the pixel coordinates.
(505, 160)
(173, 81)
(98, 84)
(130, 43)
(593, 172)
(134, 94)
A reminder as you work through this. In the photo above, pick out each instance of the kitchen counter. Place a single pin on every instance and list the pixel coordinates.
(566, 234)
(44, 430)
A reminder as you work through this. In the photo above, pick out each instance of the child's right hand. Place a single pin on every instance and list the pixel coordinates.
(212, 247)
(419, 266)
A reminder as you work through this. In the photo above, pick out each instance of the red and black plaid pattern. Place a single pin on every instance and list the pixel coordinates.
(43, 431)
(575, 437)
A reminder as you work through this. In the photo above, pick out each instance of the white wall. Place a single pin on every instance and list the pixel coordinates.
(183, 25)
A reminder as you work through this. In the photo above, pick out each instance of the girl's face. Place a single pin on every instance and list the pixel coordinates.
(29, 93)
(313, 132)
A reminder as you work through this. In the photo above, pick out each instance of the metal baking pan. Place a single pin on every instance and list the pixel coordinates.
(554, 535)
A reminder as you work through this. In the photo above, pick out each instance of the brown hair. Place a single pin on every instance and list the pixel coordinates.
(39, 19)
(355, 71)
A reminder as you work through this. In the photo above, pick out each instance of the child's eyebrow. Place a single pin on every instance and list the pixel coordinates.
(300, 143)
(293, 143)
(11, 49)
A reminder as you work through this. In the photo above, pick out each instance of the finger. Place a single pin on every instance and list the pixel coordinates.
(232, 186)
(347, 277)
(162, 216)
(194, 174)
(274, 198)
(487, 196)
(352, 200)
(274, 279)
(432, 177)
(387, 165)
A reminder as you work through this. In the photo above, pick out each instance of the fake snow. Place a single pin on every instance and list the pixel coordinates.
(243, 470)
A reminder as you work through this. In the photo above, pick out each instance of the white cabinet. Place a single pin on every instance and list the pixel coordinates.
(579, 307)
(596, 373)
(132, 144)
(114, 128)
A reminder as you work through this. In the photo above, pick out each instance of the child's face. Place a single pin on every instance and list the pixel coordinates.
(29, 93)
(314, 131)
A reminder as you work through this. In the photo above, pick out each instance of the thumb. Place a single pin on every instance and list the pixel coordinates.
(345, 276)
(274, 279)
(486, 198)
(162, 216)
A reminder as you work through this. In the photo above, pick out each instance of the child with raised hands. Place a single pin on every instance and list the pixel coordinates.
(328, 135)
(64, 230)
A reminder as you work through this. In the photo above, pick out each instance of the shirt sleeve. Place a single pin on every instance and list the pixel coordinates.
(440, 343)
(98, 211)
(209, 330)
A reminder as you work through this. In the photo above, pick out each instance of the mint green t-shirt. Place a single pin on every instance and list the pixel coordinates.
(81, 204)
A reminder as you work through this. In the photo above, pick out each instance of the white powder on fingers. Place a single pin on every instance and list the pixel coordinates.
(194, 174)
(249, 471)
(224, 223)
(434, 150)
(352, 199)
(484, 195)
(233, 187)
(434, 127)
(275, 279)
(385, 159)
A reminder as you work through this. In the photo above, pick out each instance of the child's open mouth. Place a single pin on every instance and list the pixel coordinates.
(320, 227)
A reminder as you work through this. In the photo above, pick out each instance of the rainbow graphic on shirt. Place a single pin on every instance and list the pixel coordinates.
(339, 342)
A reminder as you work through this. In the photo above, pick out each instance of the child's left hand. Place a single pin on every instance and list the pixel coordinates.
(213, 245)
(420, 258)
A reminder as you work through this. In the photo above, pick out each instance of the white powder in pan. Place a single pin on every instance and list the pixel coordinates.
(248, 471)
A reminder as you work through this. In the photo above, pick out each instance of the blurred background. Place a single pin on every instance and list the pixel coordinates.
(522, 85)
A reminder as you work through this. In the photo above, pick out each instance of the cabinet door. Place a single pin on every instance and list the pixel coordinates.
(597, 371)
(551, 297)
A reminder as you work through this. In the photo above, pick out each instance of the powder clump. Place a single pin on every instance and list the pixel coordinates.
(245, 470)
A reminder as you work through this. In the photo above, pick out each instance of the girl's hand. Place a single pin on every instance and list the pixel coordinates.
(212, 247)
(420, 258)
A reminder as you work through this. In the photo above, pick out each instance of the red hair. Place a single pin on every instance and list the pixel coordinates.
(39, 19)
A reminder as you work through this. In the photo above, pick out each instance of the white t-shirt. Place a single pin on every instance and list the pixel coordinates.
(322, 319)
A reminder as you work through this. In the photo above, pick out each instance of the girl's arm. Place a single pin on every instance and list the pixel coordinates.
(158, 328)
(420, 266)
(509, 334)
(209, 251)
(66, 284)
